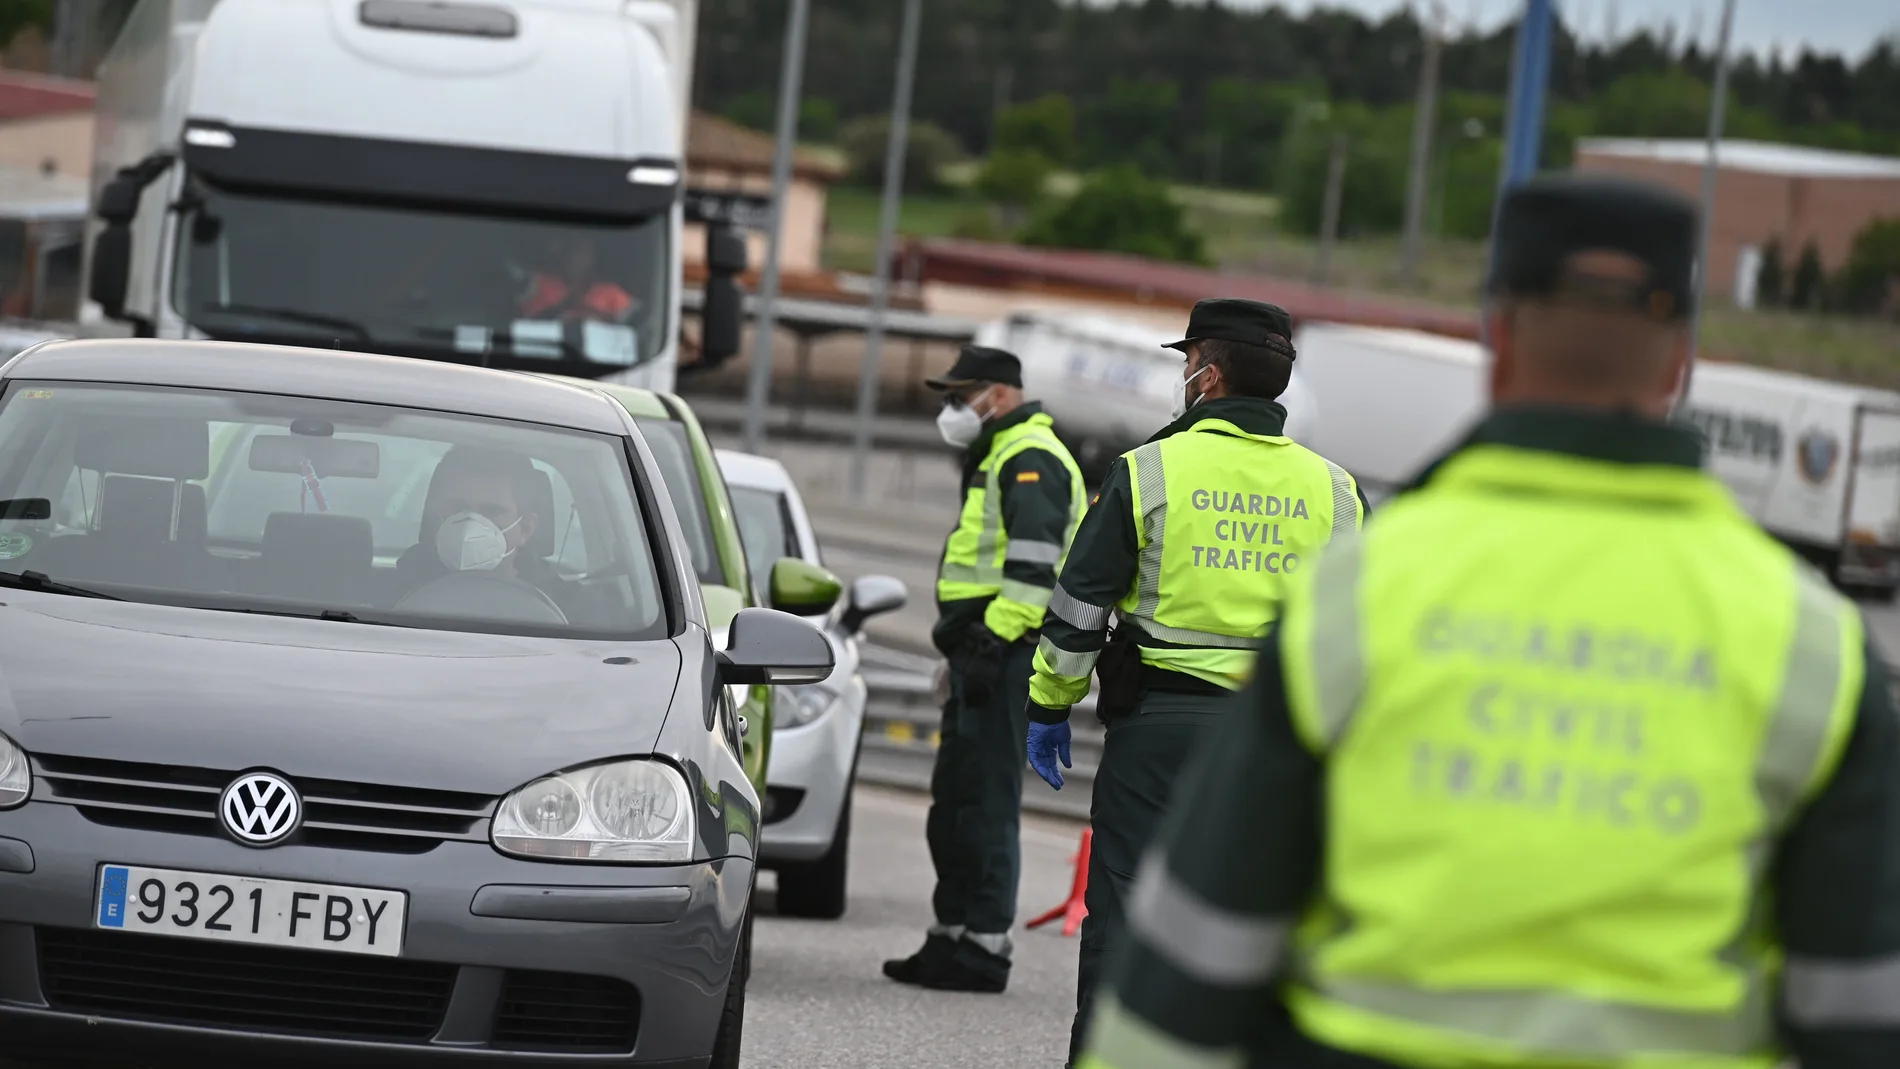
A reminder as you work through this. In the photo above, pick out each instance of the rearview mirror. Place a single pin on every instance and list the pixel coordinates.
(767, 646)
(803, 588)
(111, 269)
(343, 458)
(722, 313)
(872, 595)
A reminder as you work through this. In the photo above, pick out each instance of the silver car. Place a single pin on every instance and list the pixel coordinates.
(817, 727)
(361, 708)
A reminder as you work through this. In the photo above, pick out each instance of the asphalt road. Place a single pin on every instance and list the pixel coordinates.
(818, 998)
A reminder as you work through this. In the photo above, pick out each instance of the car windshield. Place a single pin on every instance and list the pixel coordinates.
(765, 526)
(422, 283)
(667, 439)
(305, 507)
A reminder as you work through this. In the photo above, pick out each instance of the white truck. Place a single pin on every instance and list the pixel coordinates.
(494, 182)
(1108, 383)
(1816, 463)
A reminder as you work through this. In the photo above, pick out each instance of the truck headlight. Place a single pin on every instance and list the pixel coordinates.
(803, 704)
(625, 811)
(16, 779)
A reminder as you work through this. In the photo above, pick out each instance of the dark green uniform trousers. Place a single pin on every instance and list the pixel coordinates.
(976, 795)
(1141, 757)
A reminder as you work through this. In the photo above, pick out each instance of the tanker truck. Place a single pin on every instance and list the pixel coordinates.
(494, 182)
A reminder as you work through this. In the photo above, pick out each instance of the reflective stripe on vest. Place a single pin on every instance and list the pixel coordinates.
(1238, 493)
(1541, 756)
(983, 576)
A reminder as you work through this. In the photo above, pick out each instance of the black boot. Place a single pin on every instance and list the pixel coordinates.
(936, 952)
(970, 967)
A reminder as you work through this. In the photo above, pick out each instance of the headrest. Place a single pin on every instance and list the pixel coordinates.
(130, 505)
(543, 507)
(160, 447)
(319, 536)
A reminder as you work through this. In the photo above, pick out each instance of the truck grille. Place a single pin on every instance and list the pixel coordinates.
(272, 989)
(566, 1012)
(184, 800)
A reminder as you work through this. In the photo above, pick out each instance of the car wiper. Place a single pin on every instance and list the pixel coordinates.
(296, 315)
(31, 580)
(341, 616)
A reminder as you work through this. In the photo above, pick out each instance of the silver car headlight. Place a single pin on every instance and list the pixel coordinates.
(625, 811)
(16, 779)
(803, 704)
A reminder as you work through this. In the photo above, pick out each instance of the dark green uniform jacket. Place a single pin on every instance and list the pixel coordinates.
(1035, 509)
(1246, 833)
(1106, 554)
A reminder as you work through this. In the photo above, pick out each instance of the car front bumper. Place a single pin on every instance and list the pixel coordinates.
(813, 764)
(647, 949)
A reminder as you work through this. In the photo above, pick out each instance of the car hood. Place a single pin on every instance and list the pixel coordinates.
(313, 698)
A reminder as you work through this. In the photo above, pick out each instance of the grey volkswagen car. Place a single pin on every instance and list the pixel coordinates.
(356, 707)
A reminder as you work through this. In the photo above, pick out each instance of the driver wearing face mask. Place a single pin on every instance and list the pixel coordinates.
(480, 516)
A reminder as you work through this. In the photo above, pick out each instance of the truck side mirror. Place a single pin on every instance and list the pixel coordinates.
(111, 268)
(723, 312)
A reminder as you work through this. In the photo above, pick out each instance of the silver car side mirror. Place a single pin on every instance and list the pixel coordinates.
(772, 647)
(872, 595)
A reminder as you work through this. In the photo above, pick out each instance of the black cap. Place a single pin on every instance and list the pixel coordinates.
(1233, 319)
(980, 363)
(1547, 220)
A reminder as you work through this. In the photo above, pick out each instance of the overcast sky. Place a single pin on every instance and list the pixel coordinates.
(1849, 26)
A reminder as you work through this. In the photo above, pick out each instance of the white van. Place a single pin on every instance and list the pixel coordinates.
(1816, 463)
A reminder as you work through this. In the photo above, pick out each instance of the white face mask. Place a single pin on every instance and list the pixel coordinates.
(471, 542)
(960, 424)
(1181, 404)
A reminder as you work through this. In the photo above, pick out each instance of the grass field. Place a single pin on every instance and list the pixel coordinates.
(1242, 236)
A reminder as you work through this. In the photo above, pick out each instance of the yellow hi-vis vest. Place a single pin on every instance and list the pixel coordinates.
(1566, 708)
(977, 549)
(1224, 519)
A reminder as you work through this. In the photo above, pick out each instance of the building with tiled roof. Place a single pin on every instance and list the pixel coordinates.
(45, 122)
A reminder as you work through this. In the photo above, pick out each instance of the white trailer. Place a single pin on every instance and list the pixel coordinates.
(392, 175)
(1108, 383)
(1816, 463)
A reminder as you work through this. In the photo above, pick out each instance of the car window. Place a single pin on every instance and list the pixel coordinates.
(674, 451)
(765, 525)
(278, 504)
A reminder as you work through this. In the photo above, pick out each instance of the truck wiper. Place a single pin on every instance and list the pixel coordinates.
(296, 315)
(31, 580)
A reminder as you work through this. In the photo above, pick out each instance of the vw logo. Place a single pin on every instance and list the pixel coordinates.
(260, 809)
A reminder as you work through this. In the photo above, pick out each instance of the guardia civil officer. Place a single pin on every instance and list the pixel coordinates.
(1022, 497)
(1191, 543)
(1562, 762)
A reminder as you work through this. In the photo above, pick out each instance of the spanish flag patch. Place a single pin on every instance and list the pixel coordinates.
(1029, 476)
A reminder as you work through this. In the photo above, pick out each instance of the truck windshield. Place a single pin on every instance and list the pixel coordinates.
(304, 507)
(426, 283)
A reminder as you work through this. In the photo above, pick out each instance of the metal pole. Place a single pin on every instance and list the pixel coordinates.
(1530, 74)
(1710, 170)
(1329, 223)
(1424, 122)
(791, 77)
(886, 234)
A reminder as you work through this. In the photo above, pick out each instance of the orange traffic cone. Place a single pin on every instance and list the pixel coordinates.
(1075, 908)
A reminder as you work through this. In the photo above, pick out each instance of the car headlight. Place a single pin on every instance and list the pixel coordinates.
(802, 705)
(624, 811)
(16, 779)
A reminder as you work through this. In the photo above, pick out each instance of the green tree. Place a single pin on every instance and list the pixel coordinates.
(755, 110)
(1873, 267)
(1809, 290)
(817, 120)
(1045, 126)
(17, 15)
(929, 149)
(1665, 103)
(1372, 199)
(1119, 210)
(1014, 178)
(1137, 122)
(1769, 280)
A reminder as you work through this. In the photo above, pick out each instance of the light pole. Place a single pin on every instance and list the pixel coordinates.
(1711, 169)
(791, 79)
(1524, 126)
(1423, 121)
(886, 234)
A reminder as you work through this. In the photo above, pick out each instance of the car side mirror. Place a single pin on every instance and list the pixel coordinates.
(722, 313)
(774, 648)
(803, 588)
(872, 595)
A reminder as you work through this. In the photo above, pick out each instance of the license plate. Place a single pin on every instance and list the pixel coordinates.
(244, 909)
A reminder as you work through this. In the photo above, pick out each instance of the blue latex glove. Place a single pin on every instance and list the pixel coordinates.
(1046, 743)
